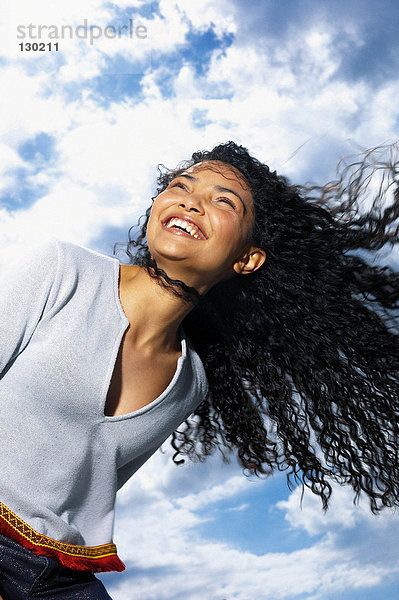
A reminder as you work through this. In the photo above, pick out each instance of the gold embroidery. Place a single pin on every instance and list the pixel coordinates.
(46, 542)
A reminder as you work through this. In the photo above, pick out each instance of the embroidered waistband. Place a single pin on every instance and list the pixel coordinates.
(83, 558)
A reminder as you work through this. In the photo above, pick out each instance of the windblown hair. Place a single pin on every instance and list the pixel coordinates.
(302, 355)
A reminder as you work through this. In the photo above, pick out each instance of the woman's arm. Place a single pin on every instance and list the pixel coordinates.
(25, 290)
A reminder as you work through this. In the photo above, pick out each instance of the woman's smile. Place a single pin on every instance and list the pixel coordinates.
(181, 224)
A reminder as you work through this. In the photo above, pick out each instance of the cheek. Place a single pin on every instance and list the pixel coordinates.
(159, 204)
(234, 232)
(151, 225)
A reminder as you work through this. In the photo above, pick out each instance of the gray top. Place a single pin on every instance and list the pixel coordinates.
(61, 459)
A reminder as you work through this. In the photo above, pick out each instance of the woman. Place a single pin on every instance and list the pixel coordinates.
(287, 354)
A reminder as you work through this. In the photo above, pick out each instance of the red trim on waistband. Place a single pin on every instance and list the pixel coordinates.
(81, 558)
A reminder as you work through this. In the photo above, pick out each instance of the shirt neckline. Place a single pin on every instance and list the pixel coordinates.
(126, 323)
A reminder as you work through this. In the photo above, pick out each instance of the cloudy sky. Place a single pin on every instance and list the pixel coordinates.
(301, 83)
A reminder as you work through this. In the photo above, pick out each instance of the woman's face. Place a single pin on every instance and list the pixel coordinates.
(200, 224)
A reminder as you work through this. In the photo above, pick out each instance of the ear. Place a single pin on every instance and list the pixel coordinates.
(252, 260)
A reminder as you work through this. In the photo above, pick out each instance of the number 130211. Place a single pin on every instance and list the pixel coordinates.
(38, 46)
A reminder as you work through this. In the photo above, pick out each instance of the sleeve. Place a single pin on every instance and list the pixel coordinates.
(25, 287)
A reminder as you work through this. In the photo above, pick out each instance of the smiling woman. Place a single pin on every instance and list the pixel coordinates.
(302, 355)
(270, 334)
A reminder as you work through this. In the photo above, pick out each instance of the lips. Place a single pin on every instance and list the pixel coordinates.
(184, 225)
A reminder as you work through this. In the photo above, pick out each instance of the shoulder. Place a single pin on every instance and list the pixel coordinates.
(74, 262)
(63, 265)
(73, 253)
(31, 263)
(82, 272)
(56, 255)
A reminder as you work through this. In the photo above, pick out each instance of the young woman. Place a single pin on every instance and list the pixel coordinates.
(249, 306)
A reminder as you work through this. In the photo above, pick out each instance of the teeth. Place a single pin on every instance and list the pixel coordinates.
(189, 227)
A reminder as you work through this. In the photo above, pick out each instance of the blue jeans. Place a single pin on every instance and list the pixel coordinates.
(25, 576)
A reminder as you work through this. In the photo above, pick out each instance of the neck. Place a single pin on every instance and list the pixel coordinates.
(154, 313)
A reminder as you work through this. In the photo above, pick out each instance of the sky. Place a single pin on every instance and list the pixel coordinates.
(302, 84)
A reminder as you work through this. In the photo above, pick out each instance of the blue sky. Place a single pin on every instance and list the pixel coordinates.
(301, 84)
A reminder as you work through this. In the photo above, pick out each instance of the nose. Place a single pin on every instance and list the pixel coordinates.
(193, 202)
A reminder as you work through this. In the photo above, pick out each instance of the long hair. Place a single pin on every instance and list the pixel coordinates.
(302, 356)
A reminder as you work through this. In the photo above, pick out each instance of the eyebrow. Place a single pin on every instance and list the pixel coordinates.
(218, 188)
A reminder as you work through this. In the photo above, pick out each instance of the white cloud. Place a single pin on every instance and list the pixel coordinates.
(203, 15)
(159, 535)
(9, 160)
(343, 513)
(69, 210)
(219, 492)
(27, 109)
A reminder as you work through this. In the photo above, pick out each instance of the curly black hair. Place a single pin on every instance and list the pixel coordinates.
(302, 360)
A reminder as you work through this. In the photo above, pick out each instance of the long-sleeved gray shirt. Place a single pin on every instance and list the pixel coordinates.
(61, 459)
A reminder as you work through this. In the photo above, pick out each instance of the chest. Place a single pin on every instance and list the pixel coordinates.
(78, 368)
(138, 378)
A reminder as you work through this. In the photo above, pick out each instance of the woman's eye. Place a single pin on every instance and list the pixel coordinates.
(178, 184)
(227, 201)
